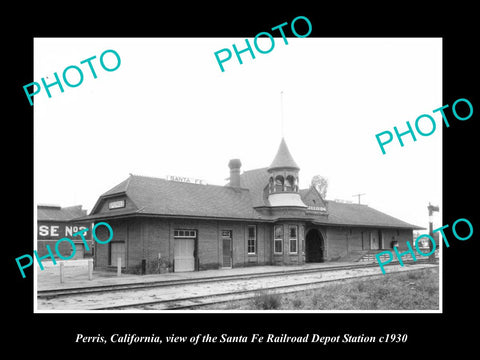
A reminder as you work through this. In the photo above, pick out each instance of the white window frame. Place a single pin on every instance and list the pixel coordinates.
(275, 240)
(254, 227)
(290, 239)
(184, 234)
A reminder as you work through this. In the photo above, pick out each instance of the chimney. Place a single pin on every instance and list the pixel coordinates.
(234, 166)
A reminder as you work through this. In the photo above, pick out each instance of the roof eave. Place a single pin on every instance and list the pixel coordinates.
(165, 216)
(382, 226)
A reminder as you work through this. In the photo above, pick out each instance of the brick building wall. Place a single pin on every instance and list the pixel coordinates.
(402, 236)
(344, 240)
(153, 239)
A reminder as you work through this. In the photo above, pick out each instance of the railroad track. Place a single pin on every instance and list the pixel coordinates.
(54, 293)
(168, 295)
(192, 302)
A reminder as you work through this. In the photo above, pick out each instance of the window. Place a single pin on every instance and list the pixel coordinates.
(117, 250)
(252, 239)
(290, 183)
(279, 183)
(185, 234)
(278, 240)
(293, 239)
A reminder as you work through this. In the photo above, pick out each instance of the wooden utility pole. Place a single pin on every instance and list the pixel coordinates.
(359, 195)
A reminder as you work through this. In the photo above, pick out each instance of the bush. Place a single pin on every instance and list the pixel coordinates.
(158, 266)
(155, 266)
(267, 301)
(297, 303)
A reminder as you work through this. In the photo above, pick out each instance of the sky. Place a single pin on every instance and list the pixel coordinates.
(169, 110)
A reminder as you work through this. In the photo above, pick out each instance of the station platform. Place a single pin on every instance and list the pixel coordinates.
(76, 274)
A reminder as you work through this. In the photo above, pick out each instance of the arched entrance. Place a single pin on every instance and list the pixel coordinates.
(314, 246)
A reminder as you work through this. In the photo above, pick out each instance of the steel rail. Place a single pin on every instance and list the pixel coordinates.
(203, 300)
(54, 293)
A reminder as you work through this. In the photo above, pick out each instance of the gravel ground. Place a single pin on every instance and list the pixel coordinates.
(96, 300)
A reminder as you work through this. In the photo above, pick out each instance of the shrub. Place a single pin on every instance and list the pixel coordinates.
(155, 266)
(267, 301)
(297, 303)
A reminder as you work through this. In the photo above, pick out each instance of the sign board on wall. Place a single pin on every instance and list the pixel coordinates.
(185, 179)
(116, 204)
(52, 230)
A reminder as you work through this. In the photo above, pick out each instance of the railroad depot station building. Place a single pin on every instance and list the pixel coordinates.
(260, 218)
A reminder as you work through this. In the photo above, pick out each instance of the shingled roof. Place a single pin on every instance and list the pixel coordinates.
(283, 159)
(171, 198)
(362, 215)
(57, 213)
(255, 181)
(160, 197)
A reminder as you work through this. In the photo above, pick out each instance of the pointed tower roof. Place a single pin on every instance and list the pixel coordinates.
(283, 159)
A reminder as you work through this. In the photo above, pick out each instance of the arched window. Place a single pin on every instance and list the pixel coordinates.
(279, 183)
(290, 183)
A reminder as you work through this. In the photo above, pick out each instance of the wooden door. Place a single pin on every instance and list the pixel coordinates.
(227, 248)
(184, 255)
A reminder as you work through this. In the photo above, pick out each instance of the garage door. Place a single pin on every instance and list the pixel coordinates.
(184, 259)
